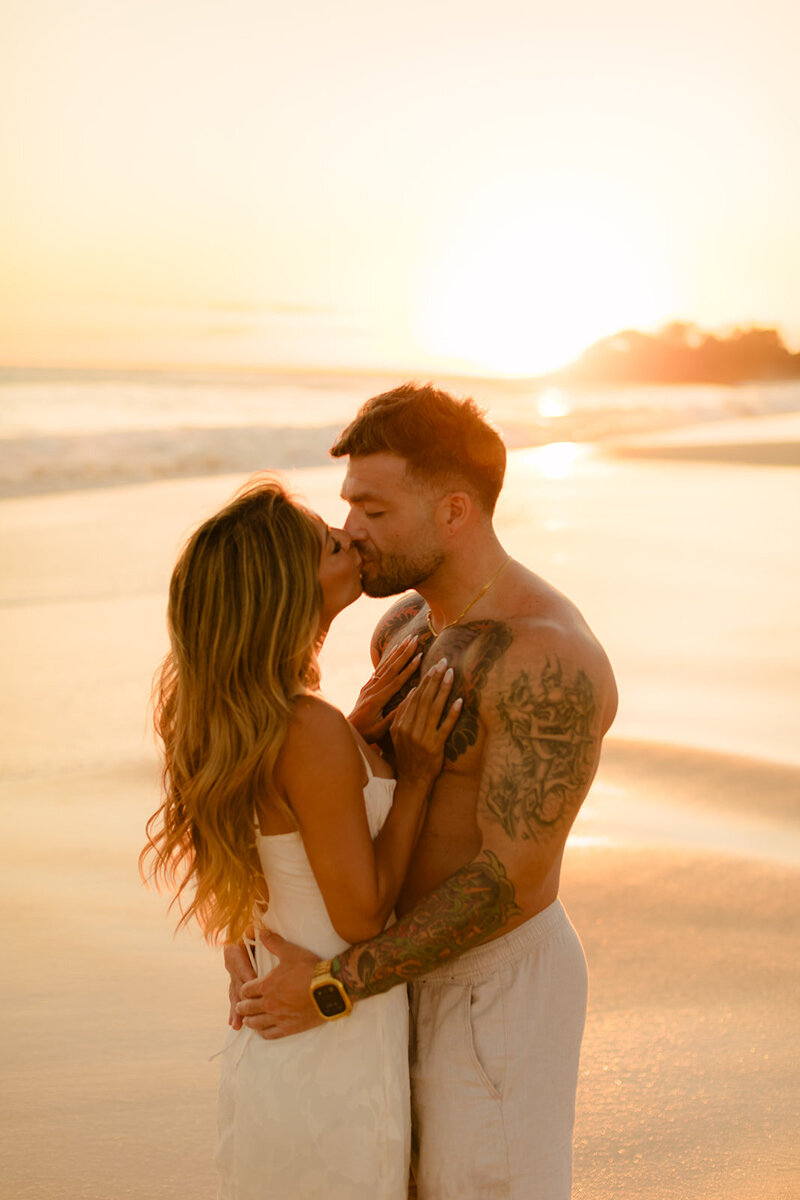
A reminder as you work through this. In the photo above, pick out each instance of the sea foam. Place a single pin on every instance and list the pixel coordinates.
(62, 430)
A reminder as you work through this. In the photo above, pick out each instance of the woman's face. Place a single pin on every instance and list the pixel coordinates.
(339, 571)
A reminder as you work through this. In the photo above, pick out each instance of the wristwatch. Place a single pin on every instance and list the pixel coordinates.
(329, 994)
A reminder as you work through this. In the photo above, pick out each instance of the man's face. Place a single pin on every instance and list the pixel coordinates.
(392, 522)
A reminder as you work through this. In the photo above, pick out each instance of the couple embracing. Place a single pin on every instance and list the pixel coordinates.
(418, 843)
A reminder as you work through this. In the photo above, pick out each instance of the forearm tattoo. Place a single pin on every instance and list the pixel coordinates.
(469, 907)
(544, 759)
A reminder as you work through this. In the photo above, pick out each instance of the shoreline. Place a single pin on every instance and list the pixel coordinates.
(52, 463)
(770, 440)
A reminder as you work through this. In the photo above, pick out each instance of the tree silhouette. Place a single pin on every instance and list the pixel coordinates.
(681, 352)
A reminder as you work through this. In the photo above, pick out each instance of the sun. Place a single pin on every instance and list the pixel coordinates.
(523, 288)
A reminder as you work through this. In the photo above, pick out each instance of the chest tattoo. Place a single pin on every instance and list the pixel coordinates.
(472, 650)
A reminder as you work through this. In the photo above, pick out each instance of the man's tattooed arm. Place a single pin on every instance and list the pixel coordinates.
(545, 754)
(464, 911)
(540, 757)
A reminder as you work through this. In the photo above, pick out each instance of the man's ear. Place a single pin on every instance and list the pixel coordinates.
(454, 512)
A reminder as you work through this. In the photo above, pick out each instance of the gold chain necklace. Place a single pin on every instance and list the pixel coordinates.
(474, 600)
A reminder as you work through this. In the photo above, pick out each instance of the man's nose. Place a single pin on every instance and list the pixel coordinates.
(353, 528)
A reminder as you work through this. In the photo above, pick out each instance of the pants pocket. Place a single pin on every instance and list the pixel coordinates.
(484, 1021)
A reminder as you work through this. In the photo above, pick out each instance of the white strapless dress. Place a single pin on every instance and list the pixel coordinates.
(322, 1115)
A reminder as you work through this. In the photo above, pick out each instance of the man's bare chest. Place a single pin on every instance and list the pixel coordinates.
(472, 650)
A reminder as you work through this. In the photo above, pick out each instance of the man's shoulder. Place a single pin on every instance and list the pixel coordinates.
(518, 633)
(487, 650)
(550, 655)
(532, 633)
(540, 620)
(394, 621)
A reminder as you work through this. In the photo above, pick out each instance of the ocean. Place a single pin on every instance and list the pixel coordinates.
(62, 430)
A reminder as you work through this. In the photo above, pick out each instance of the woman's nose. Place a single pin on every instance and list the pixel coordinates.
(344, 537)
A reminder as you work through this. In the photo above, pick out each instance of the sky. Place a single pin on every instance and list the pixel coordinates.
(467, 185)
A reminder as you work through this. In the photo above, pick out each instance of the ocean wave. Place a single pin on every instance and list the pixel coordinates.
(32, 465)
(66, 431)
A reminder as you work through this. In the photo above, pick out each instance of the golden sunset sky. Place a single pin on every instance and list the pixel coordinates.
(426, 184)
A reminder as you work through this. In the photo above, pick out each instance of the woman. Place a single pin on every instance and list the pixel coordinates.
(271, 796)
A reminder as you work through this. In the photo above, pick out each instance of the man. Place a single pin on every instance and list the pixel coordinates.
(496, 972)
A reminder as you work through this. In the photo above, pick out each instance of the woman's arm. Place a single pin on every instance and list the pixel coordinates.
(320, 772)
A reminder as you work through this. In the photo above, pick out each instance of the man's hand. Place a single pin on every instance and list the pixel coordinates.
(240, 969)
(279, 1003)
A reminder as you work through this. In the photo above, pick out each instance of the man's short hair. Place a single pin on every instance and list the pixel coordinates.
(442, 439)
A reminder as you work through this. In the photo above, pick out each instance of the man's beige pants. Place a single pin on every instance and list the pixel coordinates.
(495, 1044)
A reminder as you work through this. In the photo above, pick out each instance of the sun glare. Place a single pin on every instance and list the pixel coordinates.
(552, 402)
(523, 290)
(555, 460)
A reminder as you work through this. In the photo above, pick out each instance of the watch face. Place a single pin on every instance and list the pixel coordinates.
(329, 1000)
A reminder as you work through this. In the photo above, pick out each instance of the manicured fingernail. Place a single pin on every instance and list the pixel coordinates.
(442, 663)
(418, 658)
(448, 674)
(457, 703)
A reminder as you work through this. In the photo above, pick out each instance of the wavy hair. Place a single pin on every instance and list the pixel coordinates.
(243, 617)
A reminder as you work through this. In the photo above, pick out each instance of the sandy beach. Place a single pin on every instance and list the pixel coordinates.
(683, 875)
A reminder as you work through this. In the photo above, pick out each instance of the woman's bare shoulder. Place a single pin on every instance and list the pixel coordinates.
(318, 732)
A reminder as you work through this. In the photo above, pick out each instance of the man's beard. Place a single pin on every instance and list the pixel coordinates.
(391, 574)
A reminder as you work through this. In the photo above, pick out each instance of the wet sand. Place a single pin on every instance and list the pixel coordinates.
(683, 877)
(689, 1068)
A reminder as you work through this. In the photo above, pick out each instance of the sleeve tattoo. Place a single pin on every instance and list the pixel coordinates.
(463, 912)
(544, 758)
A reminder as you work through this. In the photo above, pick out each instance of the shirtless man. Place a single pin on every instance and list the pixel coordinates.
(496, 972)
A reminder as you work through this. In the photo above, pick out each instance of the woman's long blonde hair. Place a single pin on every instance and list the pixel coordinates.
(243, 618)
